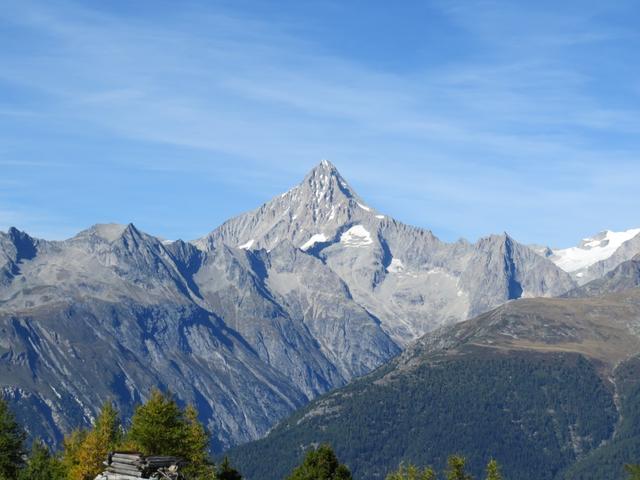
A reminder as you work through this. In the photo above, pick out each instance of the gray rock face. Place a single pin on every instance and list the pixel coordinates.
(624, 277)
(65, 359)
(113, 312)
(268, 311)
(404, 276)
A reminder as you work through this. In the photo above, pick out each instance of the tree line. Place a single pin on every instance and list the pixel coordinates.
(158, 427)
(161, 427)
(322, 464)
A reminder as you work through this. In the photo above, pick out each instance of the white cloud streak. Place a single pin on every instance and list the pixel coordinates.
(236, 86)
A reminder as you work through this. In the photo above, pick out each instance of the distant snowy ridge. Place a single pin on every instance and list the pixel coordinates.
(591, 250)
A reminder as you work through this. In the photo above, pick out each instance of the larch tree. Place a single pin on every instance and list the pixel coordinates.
(412, 472)
(94, 446)
(493, 470)
(70, 448)
(161, 427)
(456, 468)
(633, 471)
(158, 427)
(197, 446)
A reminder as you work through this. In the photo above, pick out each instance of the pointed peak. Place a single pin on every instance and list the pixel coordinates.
(132, 229)
(14, 233)
(496, 240)
(25, 245)
(326, 164)
(326, 177)
(325, 167)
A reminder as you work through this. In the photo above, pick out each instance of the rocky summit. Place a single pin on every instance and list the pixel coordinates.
(257, 318)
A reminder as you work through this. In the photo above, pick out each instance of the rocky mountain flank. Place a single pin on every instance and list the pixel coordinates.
(549, 387)
(268, 311)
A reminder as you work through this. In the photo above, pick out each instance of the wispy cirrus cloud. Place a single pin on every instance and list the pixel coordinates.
(516, 119)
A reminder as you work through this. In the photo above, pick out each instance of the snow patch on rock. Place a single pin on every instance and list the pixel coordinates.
(396, 266)
(247, 246)
(318, 237)
(356, 236)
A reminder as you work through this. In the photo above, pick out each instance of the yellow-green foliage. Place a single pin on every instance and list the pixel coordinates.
(84, 452)
(411, 472)
(158, 427)
(70, 448)
(456, 468)
(633, 471)
(456, 471)
(493, 470)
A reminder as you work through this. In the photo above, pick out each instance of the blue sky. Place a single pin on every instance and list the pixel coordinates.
(468, 117)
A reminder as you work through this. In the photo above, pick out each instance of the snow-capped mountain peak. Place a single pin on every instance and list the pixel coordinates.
(324, 185)
(314, 211)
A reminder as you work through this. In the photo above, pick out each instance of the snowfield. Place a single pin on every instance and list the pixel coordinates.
(591, 250)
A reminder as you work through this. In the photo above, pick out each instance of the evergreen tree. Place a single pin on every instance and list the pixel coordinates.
(456, 470)
(196, 437)
(321, 464)
(158, 427)
(197, 445)
(493, 470)
(227, 472)
(85, 458)
(161, 427)
(412, 473)
(11, 443)
(41, 465)
(633, 471)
